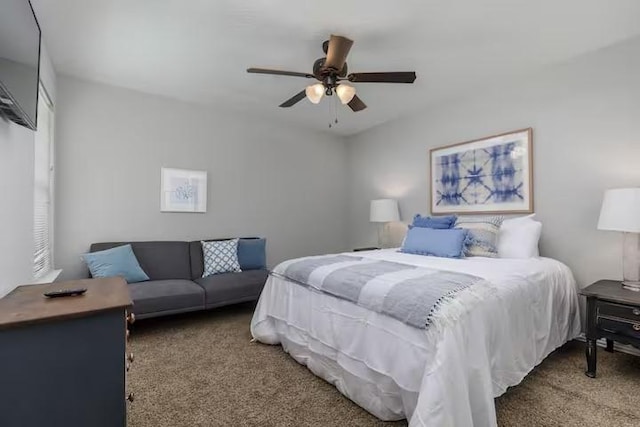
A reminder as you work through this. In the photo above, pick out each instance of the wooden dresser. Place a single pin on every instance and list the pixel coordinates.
(63, 360)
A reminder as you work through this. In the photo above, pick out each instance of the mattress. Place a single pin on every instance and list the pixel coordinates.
(482, 342)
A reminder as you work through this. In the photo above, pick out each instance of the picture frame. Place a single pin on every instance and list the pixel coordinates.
(183, 190)
(491, 175)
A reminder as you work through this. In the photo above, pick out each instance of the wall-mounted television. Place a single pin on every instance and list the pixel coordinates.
(19, 62)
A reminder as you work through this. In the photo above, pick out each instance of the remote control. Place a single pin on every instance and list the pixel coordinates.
(65, 293)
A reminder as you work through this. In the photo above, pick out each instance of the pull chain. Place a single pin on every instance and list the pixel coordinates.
(335, 111)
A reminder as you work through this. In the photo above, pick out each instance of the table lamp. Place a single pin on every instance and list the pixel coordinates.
(383, 211)
(621, 212)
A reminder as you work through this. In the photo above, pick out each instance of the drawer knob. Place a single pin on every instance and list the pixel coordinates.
(130, 357)
(636, 311)
(636, 326)
(130, 397)
(131, 318)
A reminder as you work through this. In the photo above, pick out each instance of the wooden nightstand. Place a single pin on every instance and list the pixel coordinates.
(613, 312)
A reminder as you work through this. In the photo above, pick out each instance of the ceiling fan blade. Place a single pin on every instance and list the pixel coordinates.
(337, 52)
(279, 72)
(294, 99)
(356, 104)
(390, 77)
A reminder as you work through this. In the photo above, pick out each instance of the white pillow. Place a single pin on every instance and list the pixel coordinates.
(519, 238)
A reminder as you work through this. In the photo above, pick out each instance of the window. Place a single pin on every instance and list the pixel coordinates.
(43, 188)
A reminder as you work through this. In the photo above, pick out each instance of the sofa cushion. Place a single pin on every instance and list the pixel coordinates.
(118, 261)
(160, 260)
(220, 257)
(252, 254)
(229, 288)
(166, 296)
(197, 260)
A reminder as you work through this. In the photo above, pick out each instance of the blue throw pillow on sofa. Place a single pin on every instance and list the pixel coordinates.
(252, 254)
(429, 241)
(437, 222)
(118, 261)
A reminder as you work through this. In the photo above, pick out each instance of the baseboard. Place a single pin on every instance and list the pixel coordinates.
(623, 348)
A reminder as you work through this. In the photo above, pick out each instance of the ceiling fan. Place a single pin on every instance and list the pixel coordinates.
(331, 71)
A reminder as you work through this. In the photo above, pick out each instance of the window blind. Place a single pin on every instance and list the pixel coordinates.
(43, 188)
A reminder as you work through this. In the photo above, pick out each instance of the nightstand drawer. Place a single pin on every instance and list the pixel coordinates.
(620, 327)
(627, 312)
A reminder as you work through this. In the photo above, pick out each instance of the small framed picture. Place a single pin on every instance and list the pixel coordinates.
(183, 190)
(488, 175)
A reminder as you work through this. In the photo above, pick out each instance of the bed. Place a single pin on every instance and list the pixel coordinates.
(478, 342)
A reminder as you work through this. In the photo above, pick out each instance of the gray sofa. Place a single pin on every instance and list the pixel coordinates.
(177, 286)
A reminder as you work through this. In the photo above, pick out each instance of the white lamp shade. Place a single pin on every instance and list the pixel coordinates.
(384, 210)
(345, 93)
(314, 92)
(621, 210)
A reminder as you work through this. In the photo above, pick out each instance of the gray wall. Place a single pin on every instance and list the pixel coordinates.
(586, 121)
(264, 178)
(16, 188)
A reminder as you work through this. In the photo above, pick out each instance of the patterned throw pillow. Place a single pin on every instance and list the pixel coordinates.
(220, 257)
(483, 235)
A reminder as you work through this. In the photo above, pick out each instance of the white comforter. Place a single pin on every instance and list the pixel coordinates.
(488, 339)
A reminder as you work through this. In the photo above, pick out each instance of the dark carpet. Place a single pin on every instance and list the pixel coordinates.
(202, 370)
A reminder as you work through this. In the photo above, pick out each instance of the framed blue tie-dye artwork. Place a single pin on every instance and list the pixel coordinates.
(488, 175)
(183, 190)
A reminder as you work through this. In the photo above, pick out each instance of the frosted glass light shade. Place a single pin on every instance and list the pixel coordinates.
(384, 210)
(314, 93)
(621, 210)
(345, 93)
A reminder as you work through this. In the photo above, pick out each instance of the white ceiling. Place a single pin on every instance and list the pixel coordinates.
(198, 50)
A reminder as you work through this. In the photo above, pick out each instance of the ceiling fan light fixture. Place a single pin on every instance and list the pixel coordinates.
(345, 93)
(331, 71)
(314, 92)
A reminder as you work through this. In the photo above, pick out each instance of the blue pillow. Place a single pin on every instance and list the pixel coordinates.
(429, 241)
(251, 254)
(118, 261)
(437, 222)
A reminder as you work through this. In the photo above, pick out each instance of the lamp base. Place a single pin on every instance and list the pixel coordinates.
(631, 261)
(383, 235)
(632, 286)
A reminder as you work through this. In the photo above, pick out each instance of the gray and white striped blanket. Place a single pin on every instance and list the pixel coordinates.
(405, 292)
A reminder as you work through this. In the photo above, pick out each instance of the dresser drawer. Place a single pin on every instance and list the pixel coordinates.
(627, 312)
(620, 327)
